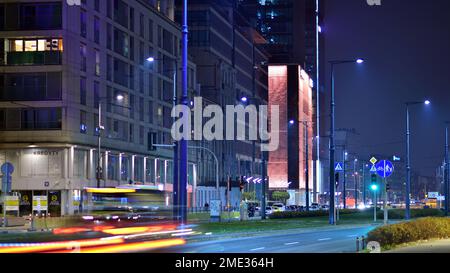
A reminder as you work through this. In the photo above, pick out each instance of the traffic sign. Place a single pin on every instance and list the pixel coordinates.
(338, 167)
(385, 168)
(7, 168)
(395, 158)
(373, 169)
(373, 160)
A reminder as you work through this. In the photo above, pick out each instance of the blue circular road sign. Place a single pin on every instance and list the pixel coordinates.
(7, 168)
(384, 168)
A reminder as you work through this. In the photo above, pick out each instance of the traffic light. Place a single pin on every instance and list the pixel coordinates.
(374, 187)
(336, 179)
(374, 178)
(388, 187)
(151, 138)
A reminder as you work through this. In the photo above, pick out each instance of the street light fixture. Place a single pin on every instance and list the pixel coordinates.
(408, 159)
(332, 217)
(99, 175)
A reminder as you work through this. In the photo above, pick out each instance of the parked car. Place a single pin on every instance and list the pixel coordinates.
(269, 210)
(314, 207)
(325, 207)
(279, 207)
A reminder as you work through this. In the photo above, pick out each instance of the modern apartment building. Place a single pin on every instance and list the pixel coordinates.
(59, 62)
(231, 70)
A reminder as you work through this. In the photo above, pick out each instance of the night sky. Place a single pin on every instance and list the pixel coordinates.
(406, 45)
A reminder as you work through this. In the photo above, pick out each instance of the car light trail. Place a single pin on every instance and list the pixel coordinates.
(131, 247)
(137, 230)
(43, 247)
(69, 230)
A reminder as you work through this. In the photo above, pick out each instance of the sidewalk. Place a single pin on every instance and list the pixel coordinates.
(434, 246)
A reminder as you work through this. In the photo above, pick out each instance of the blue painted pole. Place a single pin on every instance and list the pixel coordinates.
(184, 101)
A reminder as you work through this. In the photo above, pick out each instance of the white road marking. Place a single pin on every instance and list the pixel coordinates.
(256, 249)
(351, 236)
(289, 244)
(324, 239)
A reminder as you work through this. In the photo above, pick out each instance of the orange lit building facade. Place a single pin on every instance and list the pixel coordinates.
(290, 87)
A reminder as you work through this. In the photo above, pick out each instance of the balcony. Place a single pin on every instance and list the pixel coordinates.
(34, 58)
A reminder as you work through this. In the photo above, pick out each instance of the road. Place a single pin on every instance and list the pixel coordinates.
(330, 240)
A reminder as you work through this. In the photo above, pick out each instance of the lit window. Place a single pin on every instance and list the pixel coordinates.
(18, 45)
(30, 45)
(42, 45)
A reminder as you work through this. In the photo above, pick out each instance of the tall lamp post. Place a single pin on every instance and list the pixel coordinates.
(175, 174)
(408, 159)
(100, 128)
(307, 193)
(446, 170)
(332, 212)
(355, 173)
(184, 101)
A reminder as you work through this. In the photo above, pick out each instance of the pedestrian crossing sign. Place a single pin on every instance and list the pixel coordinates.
(373, 169)
(338, 167)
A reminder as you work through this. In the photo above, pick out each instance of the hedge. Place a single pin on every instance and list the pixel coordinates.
(407, 232)
(396, 214)
(306, 214)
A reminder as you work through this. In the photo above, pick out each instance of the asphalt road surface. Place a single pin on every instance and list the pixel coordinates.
(332, 240)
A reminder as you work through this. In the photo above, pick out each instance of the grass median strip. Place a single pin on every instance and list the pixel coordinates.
(281, 224)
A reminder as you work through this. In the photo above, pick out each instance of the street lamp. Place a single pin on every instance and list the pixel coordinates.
(305, 123)
(446, 170)
(175, 178)
(332, 211)
(99, 174)
(408, 162)
(355, 176)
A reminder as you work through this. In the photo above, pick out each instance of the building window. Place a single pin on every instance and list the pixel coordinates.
(30, 119)
(131, 134)
(109, 67)
(96, 94)
(141, 25)
(97, 5)
(83, 54)
(141, 109)
(96, 30)
(109, 36)
(97, 62)
(141, 81)
(141, 135)
(83, 123)
(30, 86)
(139, 169)
(113, 166)
(125, 171)
(83, 91)
(83, 28)
(80, 163)
(150, 31)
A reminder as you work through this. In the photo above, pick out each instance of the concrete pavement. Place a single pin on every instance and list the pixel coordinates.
(433, 246)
